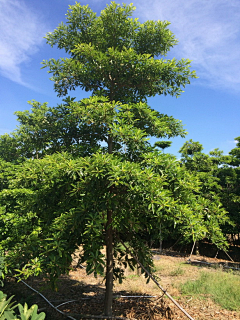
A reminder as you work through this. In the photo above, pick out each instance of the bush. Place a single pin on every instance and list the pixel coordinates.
(7, 311)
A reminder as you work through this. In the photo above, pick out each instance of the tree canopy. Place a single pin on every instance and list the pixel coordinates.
(116, 56)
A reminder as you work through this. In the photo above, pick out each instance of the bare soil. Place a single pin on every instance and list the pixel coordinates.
(82, 295)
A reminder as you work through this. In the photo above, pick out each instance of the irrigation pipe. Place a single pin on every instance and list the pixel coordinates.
(86, 316)
(137, 297)
(61, 304)
(210, 263)
(155, 281)
(48, 300)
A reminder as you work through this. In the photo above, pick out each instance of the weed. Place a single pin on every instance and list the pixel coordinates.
(132, 276)
(159, 268)
(177, 272)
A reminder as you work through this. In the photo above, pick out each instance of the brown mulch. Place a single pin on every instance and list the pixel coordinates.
(85, 300)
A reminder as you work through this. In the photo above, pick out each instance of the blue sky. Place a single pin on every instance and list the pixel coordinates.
(208, 34)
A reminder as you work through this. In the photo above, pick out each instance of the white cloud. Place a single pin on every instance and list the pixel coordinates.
(21, 33)
(208, 33)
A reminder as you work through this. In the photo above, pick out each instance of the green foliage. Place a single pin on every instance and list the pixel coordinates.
(229, 179)
(190, 148)
(235, 153)
(219, 176)
(196, 215)
(7, 311)
(31, 313)
(162, 144)
(206, 168)
(9, 147)
(83, 127)
(50, 209)
(114, 55)
(222, 287)
(56, 192)
(45, 130)
(7, 172)
(6, 307)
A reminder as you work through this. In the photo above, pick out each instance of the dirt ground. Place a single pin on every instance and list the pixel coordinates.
(81, 296)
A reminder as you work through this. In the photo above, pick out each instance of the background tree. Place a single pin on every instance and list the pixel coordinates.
(197, 195)
(235, 153)
(190, 148)
(215, 174)
(163, 144)
(229, 179)
(9, 148)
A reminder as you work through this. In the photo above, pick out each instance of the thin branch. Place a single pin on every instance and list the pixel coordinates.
(175, 243)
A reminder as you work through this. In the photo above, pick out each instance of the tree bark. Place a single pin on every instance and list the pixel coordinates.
(109, 271)
(160, 239)
(109, 253)
(197, 248)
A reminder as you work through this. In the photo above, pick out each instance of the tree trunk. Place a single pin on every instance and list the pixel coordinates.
(160, 239)
(197, 248)
(109, 271)
(109, 253)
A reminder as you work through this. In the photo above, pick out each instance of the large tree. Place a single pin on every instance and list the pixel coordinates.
(114, 56)
(112, 184)
(229, 179)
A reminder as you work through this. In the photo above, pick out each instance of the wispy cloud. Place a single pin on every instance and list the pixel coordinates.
(21, 33)
(208, 33)
(4, 131)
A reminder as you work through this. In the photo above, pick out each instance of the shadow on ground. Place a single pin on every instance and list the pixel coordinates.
(81, 300)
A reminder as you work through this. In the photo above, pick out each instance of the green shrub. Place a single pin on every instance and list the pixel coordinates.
(7, 311)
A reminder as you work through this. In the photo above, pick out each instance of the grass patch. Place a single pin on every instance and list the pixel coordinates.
(177, 272)
(133, 276)
(223, 288)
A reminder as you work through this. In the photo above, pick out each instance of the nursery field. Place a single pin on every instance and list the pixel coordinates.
(204, 292)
